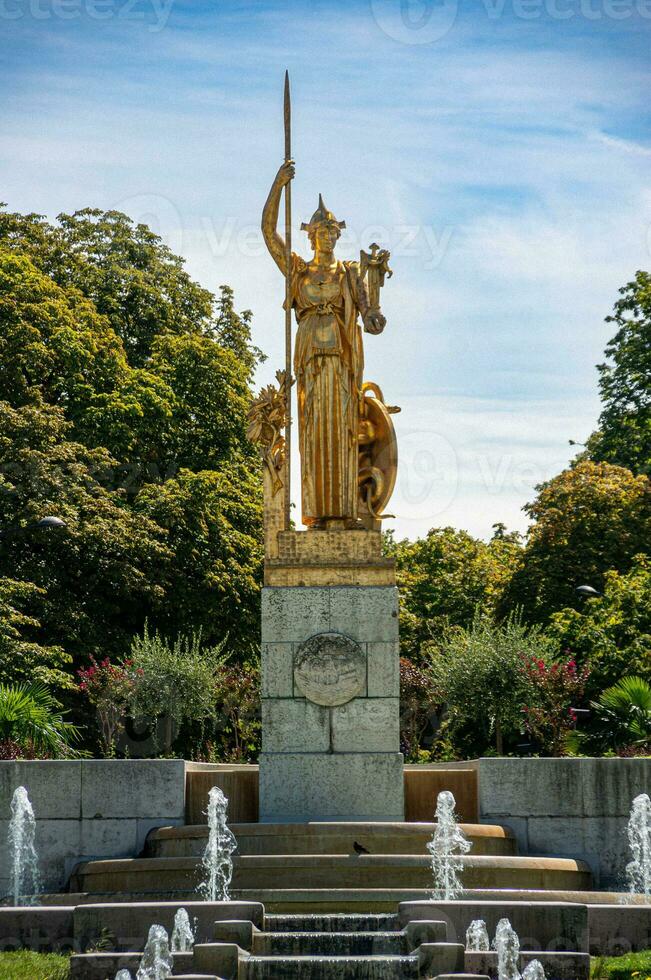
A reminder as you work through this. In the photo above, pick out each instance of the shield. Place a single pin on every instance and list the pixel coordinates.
(378, 452)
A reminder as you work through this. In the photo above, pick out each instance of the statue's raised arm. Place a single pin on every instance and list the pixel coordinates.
(274, 241)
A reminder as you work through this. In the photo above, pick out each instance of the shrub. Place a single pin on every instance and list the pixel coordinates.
(621, 721)
(109, 687)
(479, 673)
(175, 680)
(417, 708)
(32, 725)
(238, 708)
(557, 689)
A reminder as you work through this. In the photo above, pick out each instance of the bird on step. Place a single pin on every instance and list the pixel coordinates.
(359, 848)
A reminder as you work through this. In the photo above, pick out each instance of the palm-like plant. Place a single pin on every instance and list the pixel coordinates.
(31, 717)
(622, 718)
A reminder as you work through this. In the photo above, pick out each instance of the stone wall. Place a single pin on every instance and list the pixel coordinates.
(566, 807)
(91, 809)
(326, 758)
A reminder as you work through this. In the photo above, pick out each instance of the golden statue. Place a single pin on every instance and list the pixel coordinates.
(335, 414)
(346, 438)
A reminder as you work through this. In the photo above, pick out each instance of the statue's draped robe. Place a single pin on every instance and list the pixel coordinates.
(328, 365)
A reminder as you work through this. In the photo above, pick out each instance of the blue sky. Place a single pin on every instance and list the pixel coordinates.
(501, 149)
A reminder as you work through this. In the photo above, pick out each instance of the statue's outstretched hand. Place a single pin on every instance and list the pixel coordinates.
(285, 173)
(374, 322)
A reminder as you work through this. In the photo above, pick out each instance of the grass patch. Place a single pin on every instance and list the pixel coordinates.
(25, 965)
(632, 966)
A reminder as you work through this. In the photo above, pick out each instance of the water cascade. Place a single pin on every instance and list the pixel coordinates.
(638, 871)
(507, 945)
(217, 860)
(477, 940)
(25, 878)
(534, 971)
(446, 847)
(182, 934)
(156, 962)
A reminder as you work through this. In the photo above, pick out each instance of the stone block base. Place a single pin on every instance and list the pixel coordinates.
(300, 787)
(330, 701)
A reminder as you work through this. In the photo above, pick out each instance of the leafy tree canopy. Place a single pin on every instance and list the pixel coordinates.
(124, 388)
(624, 435)
(445, 576)
(587, 521)
(612, 633)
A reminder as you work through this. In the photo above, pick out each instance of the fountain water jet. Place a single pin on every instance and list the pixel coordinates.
(182, 934)
(507, 945)
(534, 971)
(25, 878)
(638, 871)
(446, 847)
(156, 962)
(477, 937)
(217, 860)
(123, 975)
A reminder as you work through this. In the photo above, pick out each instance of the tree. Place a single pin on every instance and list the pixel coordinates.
(213, 521)
(124, 388)
(612, 633)
(624, 434)
(125, 270)
(588, 520)
(23, 660)
(480, 673)
(444, 577)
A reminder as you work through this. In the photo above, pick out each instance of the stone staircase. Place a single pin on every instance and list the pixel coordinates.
(419, 941)
(310, 868)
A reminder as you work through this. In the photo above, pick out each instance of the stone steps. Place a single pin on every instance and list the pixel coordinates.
(332, 923)
(331, 944)
(318, 871)
(335, 967)
(326, 838)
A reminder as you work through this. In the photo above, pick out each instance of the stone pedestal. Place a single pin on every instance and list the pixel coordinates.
(330, 683)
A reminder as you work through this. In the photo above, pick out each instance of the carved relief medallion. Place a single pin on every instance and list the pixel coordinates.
(330, 669)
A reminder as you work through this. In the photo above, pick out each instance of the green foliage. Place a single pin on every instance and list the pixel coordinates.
(96, 580)
(418, 704)
(624, 435)
(30, 718)
(627, 967)
(109, 688)
(621, 719)
(589, 519)
(479, 673)
(123, 269)
(25, 965)
(22, 660)
(213, 521)
(175, 680)
(612, 633)
(557, 690)
(124, 388)
(238, 713)
(444, 577)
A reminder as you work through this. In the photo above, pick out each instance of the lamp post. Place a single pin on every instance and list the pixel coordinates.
(587, 592)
